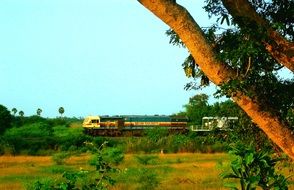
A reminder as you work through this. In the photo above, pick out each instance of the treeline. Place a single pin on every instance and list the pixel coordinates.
(40, 136)
(36, 135)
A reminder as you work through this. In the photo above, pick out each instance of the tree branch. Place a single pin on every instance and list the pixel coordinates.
(179, 19)
(281, 49)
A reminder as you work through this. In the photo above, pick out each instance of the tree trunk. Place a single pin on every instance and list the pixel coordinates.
(179, 19)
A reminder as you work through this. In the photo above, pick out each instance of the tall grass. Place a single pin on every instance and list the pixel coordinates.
(173, 144)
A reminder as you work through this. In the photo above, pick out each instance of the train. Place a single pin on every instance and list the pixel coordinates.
(133, 125)
(216, 123)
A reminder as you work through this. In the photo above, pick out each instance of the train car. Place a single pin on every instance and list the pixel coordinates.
(216, 123)
(132, 125)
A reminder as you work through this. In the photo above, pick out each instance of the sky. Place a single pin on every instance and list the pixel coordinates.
(92, 57)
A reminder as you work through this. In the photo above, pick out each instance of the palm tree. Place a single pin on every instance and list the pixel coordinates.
(61, 111)
(39, 111)
(21, 113)
(14, 110)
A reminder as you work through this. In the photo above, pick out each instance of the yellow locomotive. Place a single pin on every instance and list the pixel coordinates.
(133, 124)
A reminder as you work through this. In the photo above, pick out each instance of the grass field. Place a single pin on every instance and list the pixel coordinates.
(171, 171)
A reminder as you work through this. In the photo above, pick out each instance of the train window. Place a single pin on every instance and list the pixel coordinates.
(95, 121)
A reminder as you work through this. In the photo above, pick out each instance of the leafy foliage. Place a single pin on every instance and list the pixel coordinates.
(31, 137)
(39, 111)
(156, 133)
(255, 168)
(111, 155)
(146, 159)
(36, 135)
(59, 158)
(197, 108)
(5, 119)
(237, 43)
(98, 179)
(14, 110)
(61, 111)
(148, 179)
(21, 113)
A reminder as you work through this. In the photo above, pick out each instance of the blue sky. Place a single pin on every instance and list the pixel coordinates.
(91, 57)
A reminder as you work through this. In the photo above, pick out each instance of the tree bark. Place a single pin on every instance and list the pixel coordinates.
(179, 19)
(280, 49)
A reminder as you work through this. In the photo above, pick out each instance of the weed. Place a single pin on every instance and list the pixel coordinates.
(146, 159)
(56, 169)
(60, 158)
(148, 179)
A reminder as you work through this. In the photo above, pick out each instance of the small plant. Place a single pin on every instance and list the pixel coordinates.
(60, 158)
(255, 169)
(148, 179)
(113, 155)
(98, 179)
(146, 159)
(155, 134)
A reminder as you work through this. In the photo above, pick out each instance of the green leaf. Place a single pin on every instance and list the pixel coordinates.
(249, 158)
(232, 186)
(229, 175)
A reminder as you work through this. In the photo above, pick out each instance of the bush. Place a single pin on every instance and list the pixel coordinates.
(70, 137)
(255, 169)
(30, 138)
(146, 159)
(59, 121)
(148, 180)
(99, 179)
(60, 158)
(113, 155)
(156, 133)
(109, 155)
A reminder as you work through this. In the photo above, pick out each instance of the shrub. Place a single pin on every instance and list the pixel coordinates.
(98, 179)
(156, 133)
(148, 179)
(30, 138)
(98, 141)
(146, 159)
(109, 155)
(113, 155)
(58, 122)
(178, 143)
(70, 137)
(60, 158)
(255, 168)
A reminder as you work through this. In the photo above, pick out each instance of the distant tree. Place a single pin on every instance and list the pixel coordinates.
(39, 111)
(225, 109)
(14, 110)
(5, 119)
(197, 108)
(61, 111)
(21, 113)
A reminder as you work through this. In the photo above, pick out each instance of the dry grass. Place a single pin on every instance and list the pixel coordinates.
(17, 171)
(24, 159)
(22, 165)
(174, 171)
(11, 186)
(179, 171)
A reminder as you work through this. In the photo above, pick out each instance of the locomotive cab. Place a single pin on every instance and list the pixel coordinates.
(91, 122)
